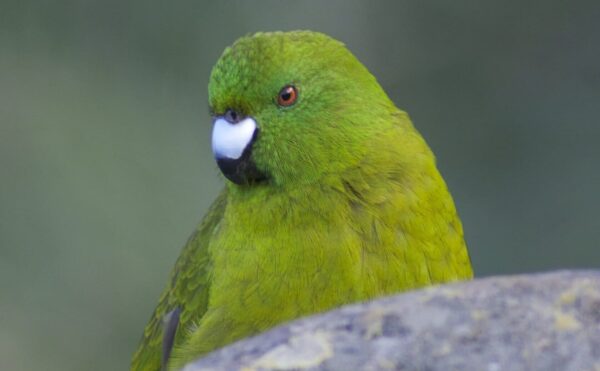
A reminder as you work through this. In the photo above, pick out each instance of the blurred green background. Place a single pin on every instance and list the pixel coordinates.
(105, 163)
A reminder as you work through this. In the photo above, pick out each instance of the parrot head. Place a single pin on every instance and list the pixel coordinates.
(291, 108)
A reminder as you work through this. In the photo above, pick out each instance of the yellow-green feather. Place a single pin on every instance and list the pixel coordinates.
(188, 289)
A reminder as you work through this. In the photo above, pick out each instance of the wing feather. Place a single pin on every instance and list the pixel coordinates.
(187, 290)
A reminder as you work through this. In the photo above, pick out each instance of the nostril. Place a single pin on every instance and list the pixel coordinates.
(232, 116)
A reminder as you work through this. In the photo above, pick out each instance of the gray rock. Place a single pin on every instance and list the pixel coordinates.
(547, 321)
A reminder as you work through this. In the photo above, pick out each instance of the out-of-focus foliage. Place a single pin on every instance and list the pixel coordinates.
(105, 163)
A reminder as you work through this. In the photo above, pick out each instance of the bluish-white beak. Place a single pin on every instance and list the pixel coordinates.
(232, 142)
(229, 140)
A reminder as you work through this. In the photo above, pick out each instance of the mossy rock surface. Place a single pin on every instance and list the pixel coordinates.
(548, 321)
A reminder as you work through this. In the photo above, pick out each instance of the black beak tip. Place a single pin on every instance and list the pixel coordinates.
(240, 171)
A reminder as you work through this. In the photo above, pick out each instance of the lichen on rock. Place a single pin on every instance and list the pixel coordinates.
(548, 321)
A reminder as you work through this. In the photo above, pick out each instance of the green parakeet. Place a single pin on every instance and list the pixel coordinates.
(331, 197)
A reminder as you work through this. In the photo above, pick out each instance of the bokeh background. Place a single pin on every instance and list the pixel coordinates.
(105, 162)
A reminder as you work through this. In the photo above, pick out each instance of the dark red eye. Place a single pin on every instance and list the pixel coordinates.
(287, 96)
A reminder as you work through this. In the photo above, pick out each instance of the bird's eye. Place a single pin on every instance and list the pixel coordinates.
(287, 96)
